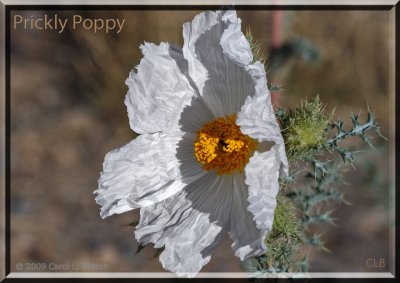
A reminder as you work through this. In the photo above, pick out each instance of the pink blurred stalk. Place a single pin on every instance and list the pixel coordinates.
(276, 36)
(276, 42)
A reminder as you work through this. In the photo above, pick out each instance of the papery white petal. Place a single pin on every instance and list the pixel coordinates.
(190, 224)
(234, 43)
(257, 118)
(217, 53)
(158, 90)
(194, 116)
(262, 179)
(248, 240)
(184, 208)
(145, 171)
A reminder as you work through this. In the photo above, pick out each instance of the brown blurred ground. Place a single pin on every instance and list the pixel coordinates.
(67, 111)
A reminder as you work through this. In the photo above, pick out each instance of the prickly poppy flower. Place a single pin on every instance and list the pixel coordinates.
(210, 151)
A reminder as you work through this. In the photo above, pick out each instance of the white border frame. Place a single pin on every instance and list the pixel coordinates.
(392, 173)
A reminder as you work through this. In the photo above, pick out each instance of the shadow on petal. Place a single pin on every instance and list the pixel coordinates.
(224, 92)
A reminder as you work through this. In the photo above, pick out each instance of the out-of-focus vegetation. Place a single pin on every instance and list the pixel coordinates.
(67, 108)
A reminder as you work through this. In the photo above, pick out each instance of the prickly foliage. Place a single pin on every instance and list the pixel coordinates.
(309, 134)
(283, 241)
(256, 48)
(304, 129)
(358, 129)
(259, 55)
(281, 252)
(313, 187)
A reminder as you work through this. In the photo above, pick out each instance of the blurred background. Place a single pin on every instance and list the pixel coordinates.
(67, 112)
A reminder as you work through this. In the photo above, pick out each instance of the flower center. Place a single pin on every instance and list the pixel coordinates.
(220, 145)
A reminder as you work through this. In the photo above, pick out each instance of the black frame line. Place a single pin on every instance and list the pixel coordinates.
(201, 7)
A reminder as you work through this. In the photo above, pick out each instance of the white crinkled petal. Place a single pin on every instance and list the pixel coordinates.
(145, 171)
(248, 240)
(262, 179)
(194, 116)
(158, 90)
(189, 224)
(234, 42)
(257, 118)
(217, 53)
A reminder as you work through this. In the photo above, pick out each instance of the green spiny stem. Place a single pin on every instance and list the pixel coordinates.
(255, 46)
(316, 242)
(357, 130)
(324, 217)
(309, 201)
(303, 264)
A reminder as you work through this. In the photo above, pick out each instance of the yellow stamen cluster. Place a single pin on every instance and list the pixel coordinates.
(220, 145)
